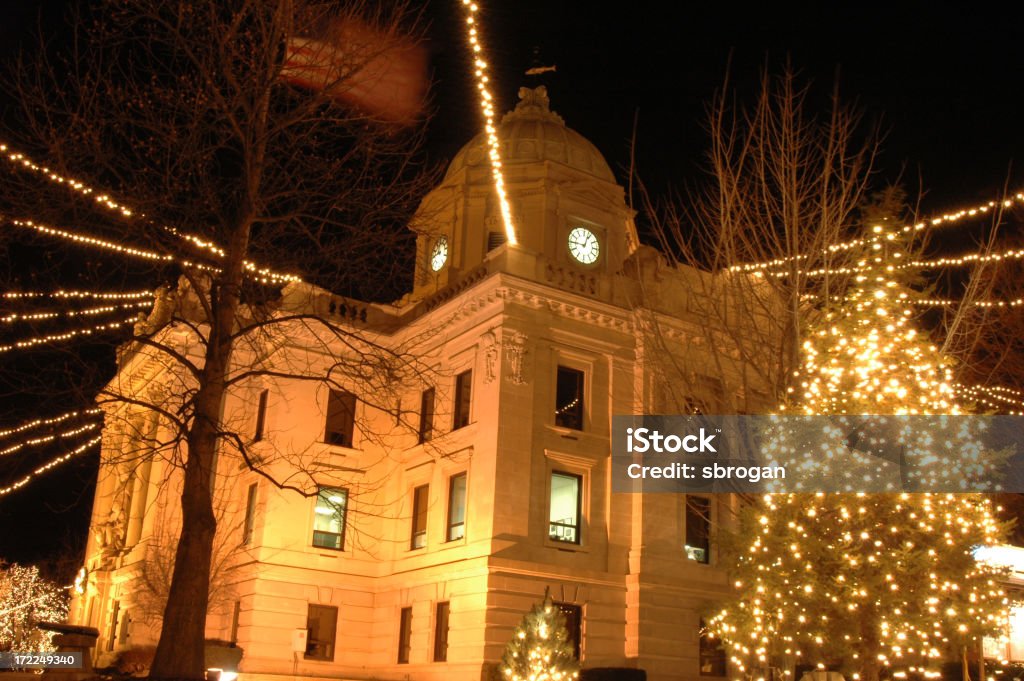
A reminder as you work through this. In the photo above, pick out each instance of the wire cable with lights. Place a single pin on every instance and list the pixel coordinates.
(12, 449)
(53, 463)
(92, 411)
(470, 10)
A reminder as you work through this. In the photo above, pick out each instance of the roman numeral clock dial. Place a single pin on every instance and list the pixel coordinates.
(584, 245)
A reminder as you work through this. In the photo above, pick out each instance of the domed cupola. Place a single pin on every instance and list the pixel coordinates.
(569, 213)
(532, 134)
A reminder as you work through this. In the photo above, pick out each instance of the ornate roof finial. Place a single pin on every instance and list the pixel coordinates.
(533, 103)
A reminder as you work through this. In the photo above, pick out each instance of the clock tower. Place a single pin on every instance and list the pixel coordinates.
(570, 215)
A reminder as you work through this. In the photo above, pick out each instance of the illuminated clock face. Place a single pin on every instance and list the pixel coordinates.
(583, 245)
(439, 254)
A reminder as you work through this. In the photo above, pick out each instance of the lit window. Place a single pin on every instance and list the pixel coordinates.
(329, 518)
(250, 515)
(698, 529)
(456, 507)
(564, 515)
(321, 627)
(426, 415)
(441, 632)
(420, 497)
(712, 653)
(463, 398)
(405, 636)
(569, 398)
(261, 416)
(573, 625)
(341, 418)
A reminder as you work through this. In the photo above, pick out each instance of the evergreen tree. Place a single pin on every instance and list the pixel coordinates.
(540, 649)
(26, 599)
(861, 583)
(865, 357)
(868, 583)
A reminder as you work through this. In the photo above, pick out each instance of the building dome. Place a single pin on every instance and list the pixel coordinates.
(534, 133)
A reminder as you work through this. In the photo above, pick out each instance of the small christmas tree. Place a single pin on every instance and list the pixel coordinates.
(540, 649)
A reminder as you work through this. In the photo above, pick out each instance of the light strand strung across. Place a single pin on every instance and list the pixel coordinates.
(67, 335)
(48, 438)
(24, 162)
(21, 161)
(102, 295)
(996, 397)
(87, 312)
(470, 9)
(50, 421)
(925, 264)
(53, 463)
(264, 275)
(941, 221)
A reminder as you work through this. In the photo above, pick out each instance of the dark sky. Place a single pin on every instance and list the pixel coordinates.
(944, 79)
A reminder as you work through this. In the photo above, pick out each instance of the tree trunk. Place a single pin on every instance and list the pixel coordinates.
(180, 651)
(870, 646)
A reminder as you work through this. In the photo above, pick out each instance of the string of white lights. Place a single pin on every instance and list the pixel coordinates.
(50, 421)
(53, 463)
(103, 295)
(87, 312)
(24, 162)
(986, 394)
(978, 303)
(264, 275)
(21, 161)
(470, 8)
(49, 438)
(940, 221)
(67, 335)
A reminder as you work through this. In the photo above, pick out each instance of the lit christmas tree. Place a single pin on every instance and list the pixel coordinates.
(862, 583)
(864, 358)
(540, 649)
(869, 584)
(26, 599)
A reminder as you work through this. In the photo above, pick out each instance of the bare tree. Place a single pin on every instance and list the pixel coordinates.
(783, 186)
(248, 134)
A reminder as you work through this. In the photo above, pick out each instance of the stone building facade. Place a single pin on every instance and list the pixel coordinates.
(436, 510)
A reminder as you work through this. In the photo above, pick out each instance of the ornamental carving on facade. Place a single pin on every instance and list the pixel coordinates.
(516, 354)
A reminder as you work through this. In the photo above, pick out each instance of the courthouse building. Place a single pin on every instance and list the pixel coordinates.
(439, 509)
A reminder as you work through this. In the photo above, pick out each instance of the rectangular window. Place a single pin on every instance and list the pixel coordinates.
(236, 614)
(441, 632)
(495, 239)
(125, 630)
(341, 418)
(112, 633)
(712, 653)
(456, 507)
(426, 415)
(463, 398)
(250, 515)
(565, 507)
(569, 398)
(321, 626)
(573, 624)
(329, 518)
(261, 416)
(405, 636)
(698, 529)
(420, 498)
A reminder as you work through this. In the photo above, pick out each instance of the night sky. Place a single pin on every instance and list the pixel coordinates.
(944, 80)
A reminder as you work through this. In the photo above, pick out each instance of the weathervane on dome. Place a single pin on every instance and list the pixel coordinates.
(538, 68)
